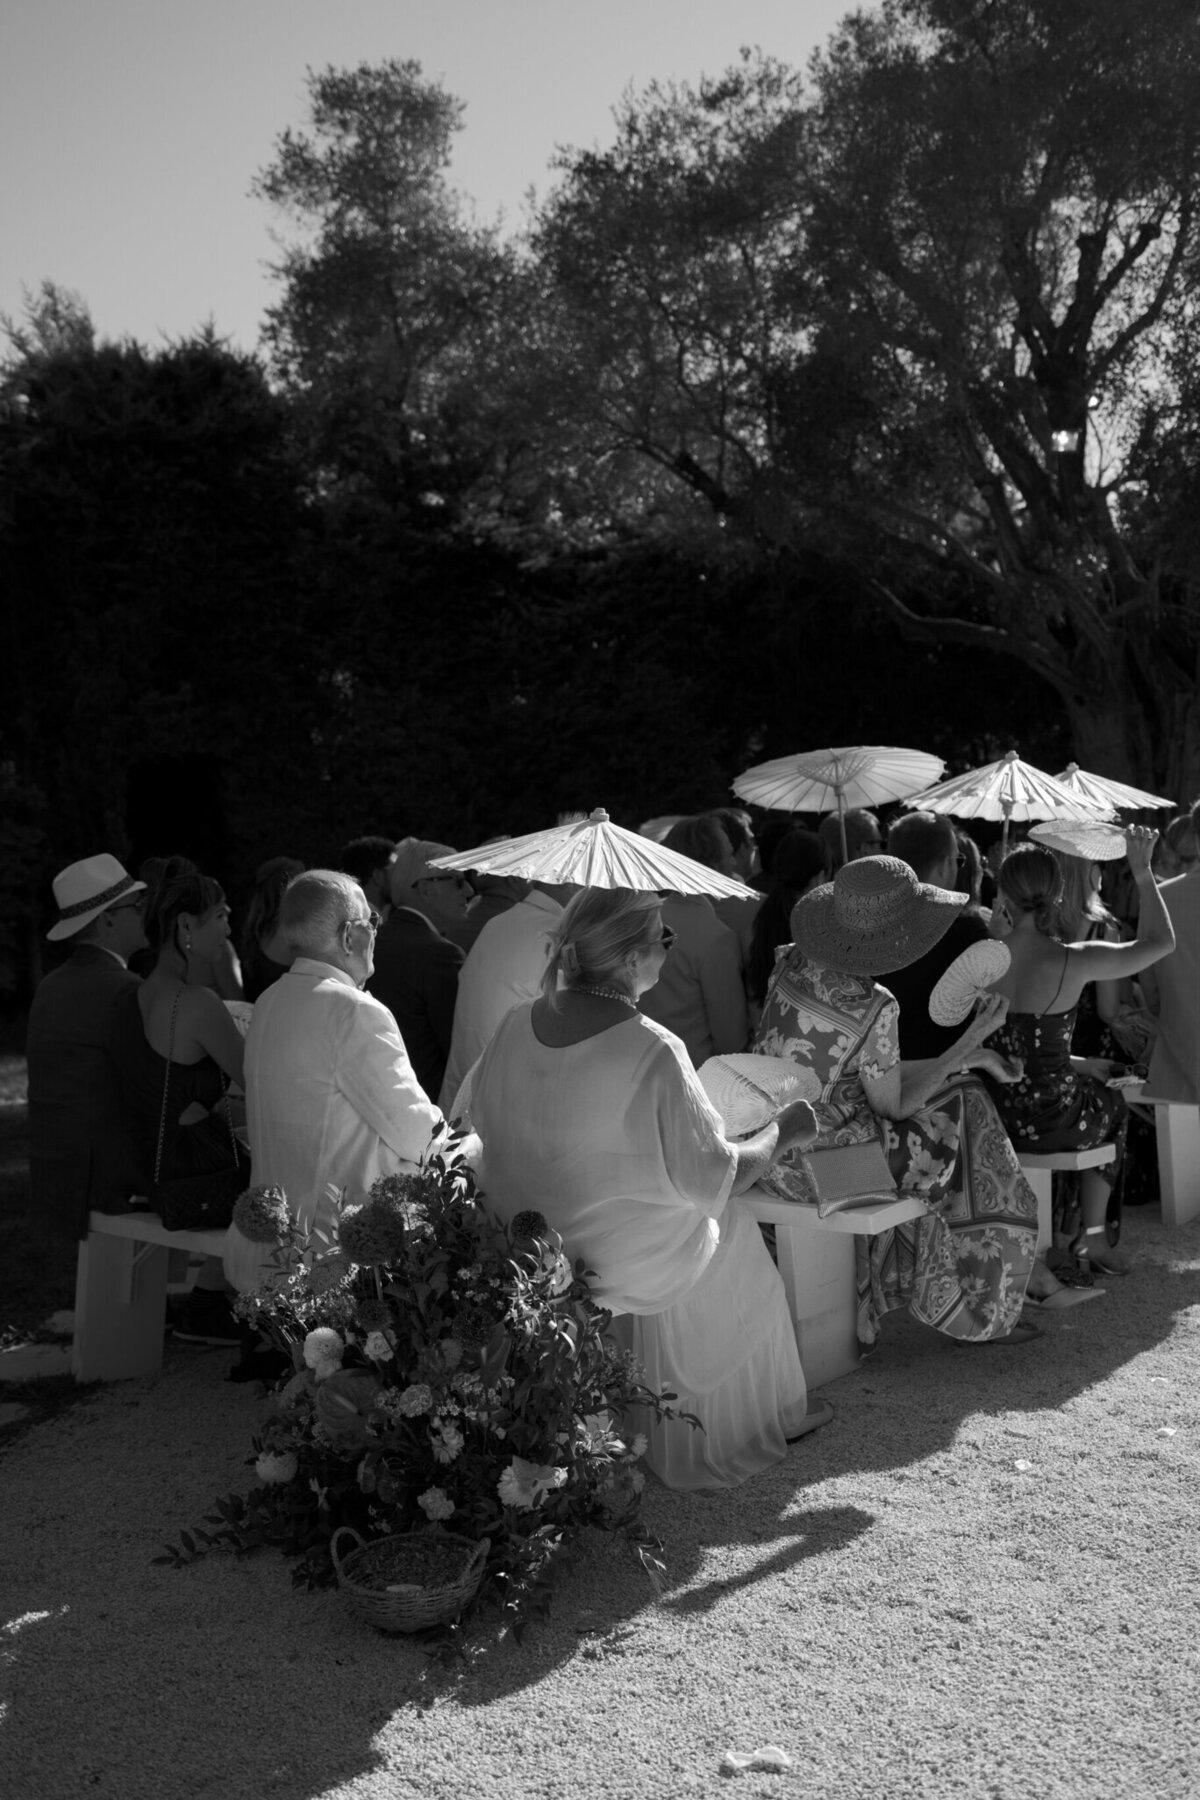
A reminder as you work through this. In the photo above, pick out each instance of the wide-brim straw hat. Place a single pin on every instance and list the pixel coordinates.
(83, 890)
(873, 917)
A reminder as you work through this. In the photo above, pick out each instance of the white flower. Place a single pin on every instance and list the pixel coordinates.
(523, 1484)
(276, 1467)
(447, 1441)
(377, 1347)
(323, 1346)
(435, 1503)
(325, 1366)
(639, 1445)
(415, 1400)
(556, 1267)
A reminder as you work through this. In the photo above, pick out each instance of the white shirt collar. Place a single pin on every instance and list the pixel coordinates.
(104, 949)
(312, 965)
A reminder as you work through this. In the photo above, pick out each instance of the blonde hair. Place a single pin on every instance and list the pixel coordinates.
(1031, 881)
(594, 936)
(1080, 905)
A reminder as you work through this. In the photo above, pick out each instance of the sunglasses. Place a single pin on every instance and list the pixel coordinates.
(666, 940)
(134, 905)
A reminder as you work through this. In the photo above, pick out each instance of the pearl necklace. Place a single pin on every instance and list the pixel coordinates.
(607, 993)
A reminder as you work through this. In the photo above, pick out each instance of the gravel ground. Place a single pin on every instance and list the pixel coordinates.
(980, 1580)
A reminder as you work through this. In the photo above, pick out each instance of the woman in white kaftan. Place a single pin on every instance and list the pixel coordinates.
(592, 1114)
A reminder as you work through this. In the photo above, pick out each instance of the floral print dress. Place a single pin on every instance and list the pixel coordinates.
(964, 1266)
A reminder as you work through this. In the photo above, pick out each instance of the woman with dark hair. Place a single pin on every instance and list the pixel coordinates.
(178, 1045)
(1060, 1101)
(266, 954)
(800, 861)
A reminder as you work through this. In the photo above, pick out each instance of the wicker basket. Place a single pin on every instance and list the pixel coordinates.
(399, 1605)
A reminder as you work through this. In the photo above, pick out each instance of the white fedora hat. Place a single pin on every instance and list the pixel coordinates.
(86, 889)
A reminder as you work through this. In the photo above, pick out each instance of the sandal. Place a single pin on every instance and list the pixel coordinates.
(1105, 1259)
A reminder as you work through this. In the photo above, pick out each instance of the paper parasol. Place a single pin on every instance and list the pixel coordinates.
(822, 780)
(1008, 789)
(749, 1091)
(594, 852)
(1095, 842)
(1108, 792)
(967, 980)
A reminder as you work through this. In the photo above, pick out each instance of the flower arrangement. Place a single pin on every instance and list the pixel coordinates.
(449, 1371)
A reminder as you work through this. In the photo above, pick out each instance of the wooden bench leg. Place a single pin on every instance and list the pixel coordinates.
(1177, 1129)
(1041, 1181)
(818, 1278)
(120, 1308)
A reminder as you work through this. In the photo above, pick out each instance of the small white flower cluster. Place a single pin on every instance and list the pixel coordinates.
(323, 1349)
(276, 1467)
(524, 1485)
(435, 1503)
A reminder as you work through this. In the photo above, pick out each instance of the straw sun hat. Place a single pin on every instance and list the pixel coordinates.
(873, 917)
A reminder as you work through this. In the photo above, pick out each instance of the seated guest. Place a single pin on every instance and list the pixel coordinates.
(590, 1113)
(966, 1265)
(800, 862)
(1061, 1102)
(1175, 852)
(369, 860)
(223, 973)
(266, 952)
(83, 1153)
(863, 836)
(969, 880)
(494, 894)
(742, 865)
(178, 1050)
(699, 993)
(770, 836)
(416, 967)
(331, 1097)
(928, 843)
(1175, 1063)
(504, 966)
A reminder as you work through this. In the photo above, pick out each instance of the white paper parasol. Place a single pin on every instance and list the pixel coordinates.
(1109, 793)
(1008, 789)
(1094, 842)
(967, 980)
(594, 852)
(822, 780)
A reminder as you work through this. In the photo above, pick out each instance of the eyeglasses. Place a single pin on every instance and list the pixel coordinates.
(666, 940)
(372, 921)
(134, 905)
(453, 875)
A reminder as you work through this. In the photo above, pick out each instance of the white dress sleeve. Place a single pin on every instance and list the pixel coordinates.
(698, 1161)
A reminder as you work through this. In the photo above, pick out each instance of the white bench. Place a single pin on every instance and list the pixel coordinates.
(1177, 1131)
(1038, 1171)
(121, 1293)
(816, 1261)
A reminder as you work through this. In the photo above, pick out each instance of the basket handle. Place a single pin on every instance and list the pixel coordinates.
(343, 1531)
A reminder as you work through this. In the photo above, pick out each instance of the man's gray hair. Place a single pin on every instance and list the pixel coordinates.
(315, 907)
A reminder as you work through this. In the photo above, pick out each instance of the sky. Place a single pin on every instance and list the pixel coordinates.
(130, 130)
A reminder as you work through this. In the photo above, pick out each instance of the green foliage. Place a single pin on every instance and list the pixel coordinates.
(389, 297)
(448, 1370)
